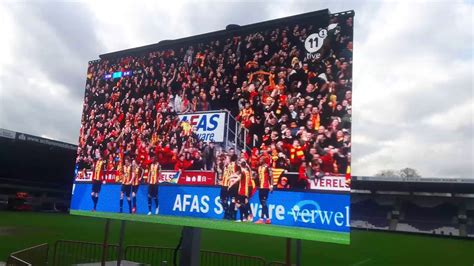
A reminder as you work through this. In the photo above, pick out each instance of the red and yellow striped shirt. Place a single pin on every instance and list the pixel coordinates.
(243, 184)
(127, 175)
(98, 170)
(229, 170)
(153, 174)
(264, 176)
(136, 176)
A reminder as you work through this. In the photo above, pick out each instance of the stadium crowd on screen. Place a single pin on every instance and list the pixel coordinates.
(297, 109)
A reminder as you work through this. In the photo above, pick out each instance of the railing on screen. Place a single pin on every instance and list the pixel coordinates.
(236, 134)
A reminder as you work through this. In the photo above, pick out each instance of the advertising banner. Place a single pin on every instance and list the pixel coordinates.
(320, 211)
(334, 183)
(310, 210)
(197, 178)
(86, 176)
(169, 177)
(176, 177)
(326, 183)
(208, 126)
(189, 177)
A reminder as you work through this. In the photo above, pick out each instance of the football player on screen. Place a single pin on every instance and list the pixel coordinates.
(153, 176)
(250, 186)
(126, 184)
(97, 179)
(265, 186)
(136, 179)
(223, 180)
(227, 192)
(239, 181)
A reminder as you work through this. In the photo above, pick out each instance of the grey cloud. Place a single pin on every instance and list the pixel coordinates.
(31, 110)
(57, 38)
(397, 96)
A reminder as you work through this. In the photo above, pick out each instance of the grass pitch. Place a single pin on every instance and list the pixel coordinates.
(21, 230)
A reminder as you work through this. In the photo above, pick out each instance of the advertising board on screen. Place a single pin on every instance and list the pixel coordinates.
(209, 127)
(246, 129)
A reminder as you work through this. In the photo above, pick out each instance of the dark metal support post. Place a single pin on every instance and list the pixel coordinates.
(288, 252)
(298, 252)
(120, 247)
(190, 247)
(106, 241)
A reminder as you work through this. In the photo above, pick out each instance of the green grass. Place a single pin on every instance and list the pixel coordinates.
(21, 230)
(262, 229)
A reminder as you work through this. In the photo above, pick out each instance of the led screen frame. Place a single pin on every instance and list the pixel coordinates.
(323, 200)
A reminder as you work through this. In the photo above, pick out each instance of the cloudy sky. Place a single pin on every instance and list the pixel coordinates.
(413, 68)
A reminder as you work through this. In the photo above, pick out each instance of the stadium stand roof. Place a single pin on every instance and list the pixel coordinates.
(28, 161)
(412, 184)
(9, 134)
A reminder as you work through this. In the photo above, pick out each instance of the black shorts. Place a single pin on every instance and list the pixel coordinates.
(153, 190)
(241, 199)
(233, 191)
(126, 189)
(224, 194)
(96, 186)
(263, 194)
(135, 188)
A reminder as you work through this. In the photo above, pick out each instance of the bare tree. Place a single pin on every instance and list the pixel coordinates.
(388, 173)
(406, 172)
(409, 172)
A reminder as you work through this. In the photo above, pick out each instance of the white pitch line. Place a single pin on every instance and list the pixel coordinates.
(361, 262)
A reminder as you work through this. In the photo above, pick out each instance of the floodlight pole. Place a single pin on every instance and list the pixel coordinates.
(106, 240)
(120, 247)
(190, 246)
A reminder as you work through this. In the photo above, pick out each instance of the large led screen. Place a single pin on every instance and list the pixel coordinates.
(246, 129)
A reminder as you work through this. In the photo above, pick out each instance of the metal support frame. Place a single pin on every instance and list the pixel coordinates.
(298, 252)
(288, 260)
(105, 244)
(190, 247)
(288, 252)
(121, 238)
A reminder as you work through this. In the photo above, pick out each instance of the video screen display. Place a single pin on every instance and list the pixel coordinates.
(244, 130)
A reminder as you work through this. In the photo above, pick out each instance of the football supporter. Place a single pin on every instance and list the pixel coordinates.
(283, 183)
